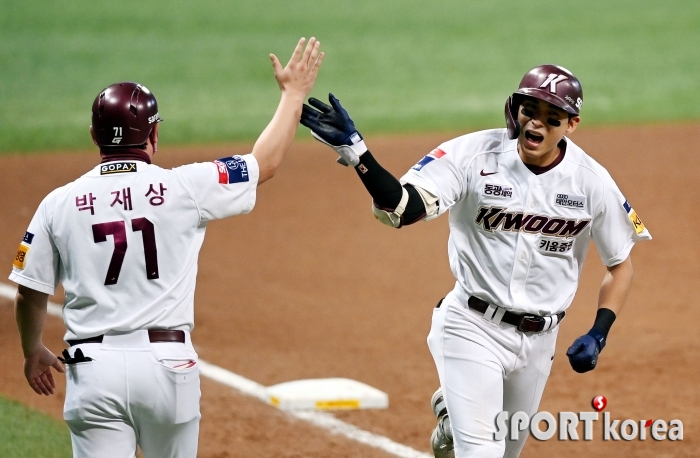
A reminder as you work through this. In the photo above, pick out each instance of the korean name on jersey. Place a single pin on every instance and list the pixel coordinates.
(130, 229)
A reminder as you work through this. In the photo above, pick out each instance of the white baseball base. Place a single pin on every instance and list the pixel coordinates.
(326, 394)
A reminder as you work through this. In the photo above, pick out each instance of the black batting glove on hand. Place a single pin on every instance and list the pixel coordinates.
(331, 124)
(583, 353)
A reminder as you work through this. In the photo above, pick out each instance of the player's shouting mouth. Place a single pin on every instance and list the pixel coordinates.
(533, 138)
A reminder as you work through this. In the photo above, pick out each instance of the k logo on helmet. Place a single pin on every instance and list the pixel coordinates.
(552, 81)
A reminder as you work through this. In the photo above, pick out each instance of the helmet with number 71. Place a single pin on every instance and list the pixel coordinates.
(123, 114)
(551, 83)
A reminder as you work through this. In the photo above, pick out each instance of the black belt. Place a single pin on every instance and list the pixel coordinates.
(154, 335)
(525, 322)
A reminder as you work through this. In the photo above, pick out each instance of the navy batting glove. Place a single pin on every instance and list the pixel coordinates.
(583, 353)
(331, 123)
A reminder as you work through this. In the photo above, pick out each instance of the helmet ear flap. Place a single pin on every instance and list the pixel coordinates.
(512, 118)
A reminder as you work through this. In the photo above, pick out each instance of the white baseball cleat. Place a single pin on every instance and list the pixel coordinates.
(441, 438)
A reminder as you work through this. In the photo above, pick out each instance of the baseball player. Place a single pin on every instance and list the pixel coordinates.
(123, 239)
(524, 202)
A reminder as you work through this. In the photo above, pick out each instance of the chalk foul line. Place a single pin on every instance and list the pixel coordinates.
(250, 388)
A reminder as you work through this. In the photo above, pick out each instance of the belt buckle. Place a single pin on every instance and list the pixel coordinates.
(529, 323)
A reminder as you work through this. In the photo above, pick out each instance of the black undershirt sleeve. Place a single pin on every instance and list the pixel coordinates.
(386, 190)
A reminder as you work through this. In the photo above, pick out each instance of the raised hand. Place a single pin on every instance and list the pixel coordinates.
(332, 125)
(296, 81)
(299, 75)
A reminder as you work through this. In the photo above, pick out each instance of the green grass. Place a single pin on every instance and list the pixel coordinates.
(27, 433)
(398, 65)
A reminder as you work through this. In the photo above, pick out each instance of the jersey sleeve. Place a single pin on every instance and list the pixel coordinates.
(440, 173)
(616, 226)
(224, 187)
(36, 264)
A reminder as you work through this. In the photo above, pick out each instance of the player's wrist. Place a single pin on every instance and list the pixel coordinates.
(297, 94)
(359, 147)
(604, 320)
(31, 352)
(292, 97)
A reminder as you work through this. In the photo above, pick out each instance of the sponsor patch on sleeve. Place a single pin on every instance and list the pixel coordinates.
(632, 215)
(28, 237)
(232, 169)
(437, 153)
(111, 168)
(21, 256)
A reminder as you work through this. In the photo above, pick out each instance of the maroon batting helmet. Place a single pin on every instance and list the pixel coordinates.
(124, 114)
(551, 83)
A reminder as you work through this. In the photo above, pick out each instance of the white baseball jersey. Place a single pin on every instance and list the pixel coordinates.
(124, 239)
(517, 239)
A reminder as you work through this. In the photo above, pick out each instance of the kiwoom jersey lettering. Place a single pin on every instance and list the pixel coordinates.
(498, 219)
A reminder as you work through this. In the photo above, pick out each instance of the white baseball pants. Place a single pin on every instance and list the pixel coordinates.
(485, 369)
(133, 394)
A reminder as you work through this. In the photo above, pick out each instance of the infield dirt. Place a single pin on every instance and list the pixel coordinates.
(310, 285)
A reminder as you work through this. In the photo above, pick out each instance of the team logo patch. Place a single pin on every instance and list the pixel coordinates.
(568, 200)
(232, 169)
(21, 256)
(437, 153)
(117, 167)
(28, 238)
(498, 190)
(499, 219)
(632, 215)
